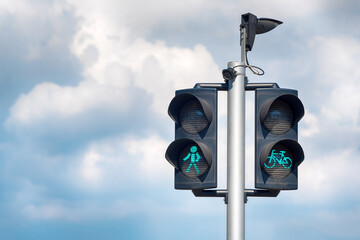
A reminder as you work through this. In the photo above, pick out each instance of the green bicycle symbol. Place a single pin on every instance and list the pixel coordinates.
(278, 157)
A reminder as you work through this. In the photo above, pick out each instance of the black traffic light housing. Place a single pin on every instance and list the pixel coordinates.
(193, 154)
(277, 151)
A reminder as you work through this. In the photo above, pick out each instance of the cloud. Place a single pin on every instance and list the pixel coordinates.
(125, 82)
(331, 220)
(48, 100)
(311, 123)
(113, 69)
(34, 48)
(339, 70)
(325, 178)
(139, 160)
(150, 155)
(329, 132)
(75, 187)
(283, 9)
(111, 179)
(155, 66)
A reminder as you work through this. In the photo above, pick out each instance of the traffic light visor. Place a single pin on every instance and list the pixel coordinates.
(280, 114)
(190, 112)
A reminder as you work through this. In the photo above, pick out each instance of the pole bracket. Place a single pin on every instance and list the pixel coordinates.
(211, 193)
(218, 86)
(254, 86)
(224, 193)
(225, 86)
(260, 193)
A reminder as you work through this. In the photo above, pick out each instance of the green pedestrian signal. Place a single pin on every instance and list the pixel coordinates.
(195, 157)
(194, 163)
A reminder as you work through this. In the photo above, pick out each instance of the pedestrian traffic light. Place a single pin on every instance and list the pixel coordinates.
(194, 151)
(277, 151)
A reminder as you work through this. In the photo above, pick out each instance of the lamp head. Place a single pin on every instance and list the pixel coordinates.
(266, 24)
(255, 26)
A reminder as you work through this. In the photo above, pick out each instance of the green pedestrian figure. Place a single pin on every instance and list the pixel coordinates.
(194, 158)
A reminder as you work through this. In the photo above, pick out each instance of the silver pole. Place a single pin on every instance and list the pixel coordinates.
(236, 148)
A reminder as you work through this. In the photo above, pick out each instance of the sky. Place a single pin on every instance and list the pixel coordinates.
(84, 91)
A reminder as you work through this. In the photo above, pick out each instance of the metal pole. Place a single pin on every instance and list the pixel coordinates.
(236, 148)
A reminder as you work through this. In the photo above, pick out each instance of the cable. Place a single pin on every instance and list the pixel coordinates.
(255, 70)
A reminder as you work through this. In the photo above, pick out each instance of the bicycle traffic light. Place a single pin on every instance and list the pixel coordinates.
(277, 151)
(193, 154)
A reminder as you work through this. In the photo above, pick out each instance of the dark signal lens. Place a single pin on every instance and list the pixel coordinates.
(280, 117)
(192, 117)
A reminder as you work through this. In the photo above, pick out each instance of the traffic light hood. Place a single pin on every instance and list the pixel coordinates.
(294, 102)
(179, 100)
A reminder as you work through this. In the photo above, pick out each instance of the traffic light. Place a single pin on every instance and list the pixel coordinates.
(194, 151)
(277, 151)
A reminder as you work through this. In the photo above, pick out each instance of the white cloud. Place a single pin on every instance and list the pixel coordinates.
(90, 169)
(143, 16)
(343, 106)
(328, 177)
(330, 135)
(112, 166)
(335, 94)
(340, 65)
(338, 224)
(157, 68)
(179, 14)
(123, 159)
(279, 8)
(46, 211)
(150, 156)
(7, 6)
(51, 101)
(311, 123)
(112, 66)
(36, 29)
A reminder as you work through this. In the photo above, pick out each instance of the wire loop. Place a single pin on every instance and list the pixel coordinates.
(254, 69)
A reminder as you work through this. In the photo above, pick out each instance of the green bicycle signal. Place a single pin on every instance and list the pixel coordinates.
(279, 158)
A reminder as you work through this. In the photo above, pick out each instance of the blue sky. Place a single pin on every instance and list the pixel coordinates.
(84, 91)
